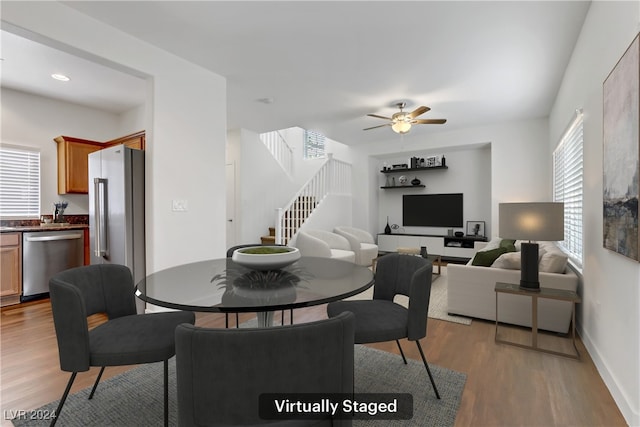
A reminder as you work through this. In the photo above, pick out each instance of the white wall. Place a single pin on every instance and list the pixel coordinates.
(609, 316)
(134, 120)
(185, 121)
(512, 145)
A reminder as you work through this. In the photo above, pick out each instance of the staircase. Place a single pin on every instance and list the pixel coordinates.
(333, 177)
(270, 239)
(293, 219)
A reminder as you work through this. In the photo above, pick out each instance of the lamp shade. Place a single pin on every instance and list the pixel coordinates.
(532, 221)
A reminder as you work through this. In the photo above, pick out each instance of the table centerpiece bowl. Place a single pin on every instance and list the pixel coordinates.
(265, 257)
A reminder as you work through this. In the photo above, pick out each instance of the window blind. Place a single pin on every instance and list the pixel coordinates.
(314, 143)
(19, 182)
(567, 187)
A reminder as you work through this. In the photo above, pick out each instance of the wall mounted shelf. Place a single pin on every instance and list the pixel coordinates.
(413, 169)
(403, 186)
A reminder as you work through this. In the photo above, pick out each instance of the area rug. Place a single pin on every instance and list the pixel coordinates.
(134, 398)
(437, 302)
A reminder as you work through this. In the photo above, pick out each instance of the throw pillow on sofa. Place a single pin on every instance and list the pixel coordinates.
(486, 258)
(553, 262)
(508, 244)
(509, 261)
(492, 244)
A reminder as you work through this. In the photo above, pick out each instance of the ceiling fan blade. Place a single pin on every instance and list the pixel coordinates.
(429, 121)
(420, 110)
(379, 117)
(379, 126)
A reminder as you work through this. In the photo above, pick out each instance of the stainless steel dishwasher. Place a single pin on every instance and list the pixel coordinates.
(45, 253)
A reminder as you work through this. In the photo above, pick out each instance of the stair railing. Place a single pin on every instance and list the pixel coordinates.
(333, 177)
(280, 150)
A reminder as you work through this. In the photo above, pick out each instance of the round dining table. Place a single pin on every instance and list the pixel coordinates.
(223, 286)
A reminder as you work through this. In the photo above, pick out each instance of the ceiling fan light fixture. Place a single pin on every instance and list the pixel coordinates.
(401, 126)
(402, 121)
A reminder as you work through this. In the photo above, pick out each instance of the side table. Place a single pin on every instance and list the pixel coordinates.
(546, 293)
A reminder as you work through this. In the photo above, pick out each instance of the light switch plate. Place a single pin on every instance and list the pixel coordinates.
(179, 205)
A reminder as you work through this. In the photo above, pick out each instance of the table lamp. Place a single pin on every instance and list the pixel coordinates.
(531, 221)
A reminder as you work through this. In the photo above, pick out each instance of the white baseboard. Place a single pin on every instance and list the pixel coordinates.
(630, 413)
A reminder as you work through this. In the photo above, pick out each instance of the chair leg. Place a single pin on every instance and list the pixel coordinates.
(166, 393)
(226, 320)
(63, 399)
(95, 385)
(401, 352)
(290, 317)
(426, 365)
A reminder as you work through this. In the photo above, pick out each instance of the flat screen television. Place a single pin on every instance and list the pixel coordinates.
(432, 210)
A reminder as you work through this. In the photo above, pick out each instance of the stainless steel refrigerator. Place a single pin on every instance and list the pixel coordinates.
(116, 209)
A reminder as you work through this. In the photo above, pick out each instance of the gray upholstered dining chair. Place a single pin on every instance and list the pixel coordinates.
(126, 338)
(221, 373)
(381, 319)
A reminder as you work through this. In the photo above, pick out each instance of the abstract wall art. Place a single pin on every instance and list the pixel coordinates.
(621, 154)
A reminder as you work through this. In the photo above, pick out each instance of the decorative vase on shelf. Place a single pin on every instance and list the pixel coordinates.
(387, 229)
(415, 181)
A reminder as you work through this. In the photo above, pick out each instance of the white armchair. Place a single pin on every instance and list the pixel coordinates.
(361, 243)
(325, 244)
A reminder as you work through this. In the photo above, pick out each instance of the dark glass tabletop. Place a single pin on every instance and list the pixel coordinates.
(221, 285)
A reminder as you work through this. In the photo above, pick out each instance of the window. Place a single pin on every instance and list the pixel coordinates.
(313, 145)
(567, 186)
(19, 182)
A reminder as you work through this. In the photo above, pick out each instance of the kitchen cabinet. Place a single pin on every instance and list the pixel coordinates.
(73, 163)
(135, 140)
(10, 268)
(73, 159)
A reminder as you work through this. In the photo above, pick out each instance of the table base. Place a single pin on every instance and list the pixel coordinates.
(569, 296)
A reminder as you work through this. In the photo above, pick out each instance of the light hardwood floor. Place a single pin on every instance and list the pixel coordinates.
(506, 386)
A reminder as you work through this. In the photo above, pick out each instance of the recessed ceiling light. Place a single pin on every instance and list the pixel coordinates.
(60, 77)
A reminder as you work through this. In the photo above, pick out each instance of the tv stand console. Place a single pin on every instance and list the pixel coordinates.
(450, 248)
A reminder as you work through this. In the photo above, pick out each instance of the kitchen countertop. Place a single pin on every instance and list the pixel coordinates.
(48, 227)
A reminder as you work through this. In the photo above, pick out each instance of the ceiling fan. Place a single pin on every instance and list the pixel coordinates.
(402, 121)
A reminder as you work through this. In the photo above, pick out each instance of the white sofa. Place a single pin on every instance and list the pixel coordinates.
(471, 293)
(362, 244)
(325, 244)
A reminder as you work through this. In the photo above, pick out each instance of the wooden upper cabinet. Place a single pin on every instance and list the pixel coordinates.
(73, 163)
(135, 140)
(73, 159)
